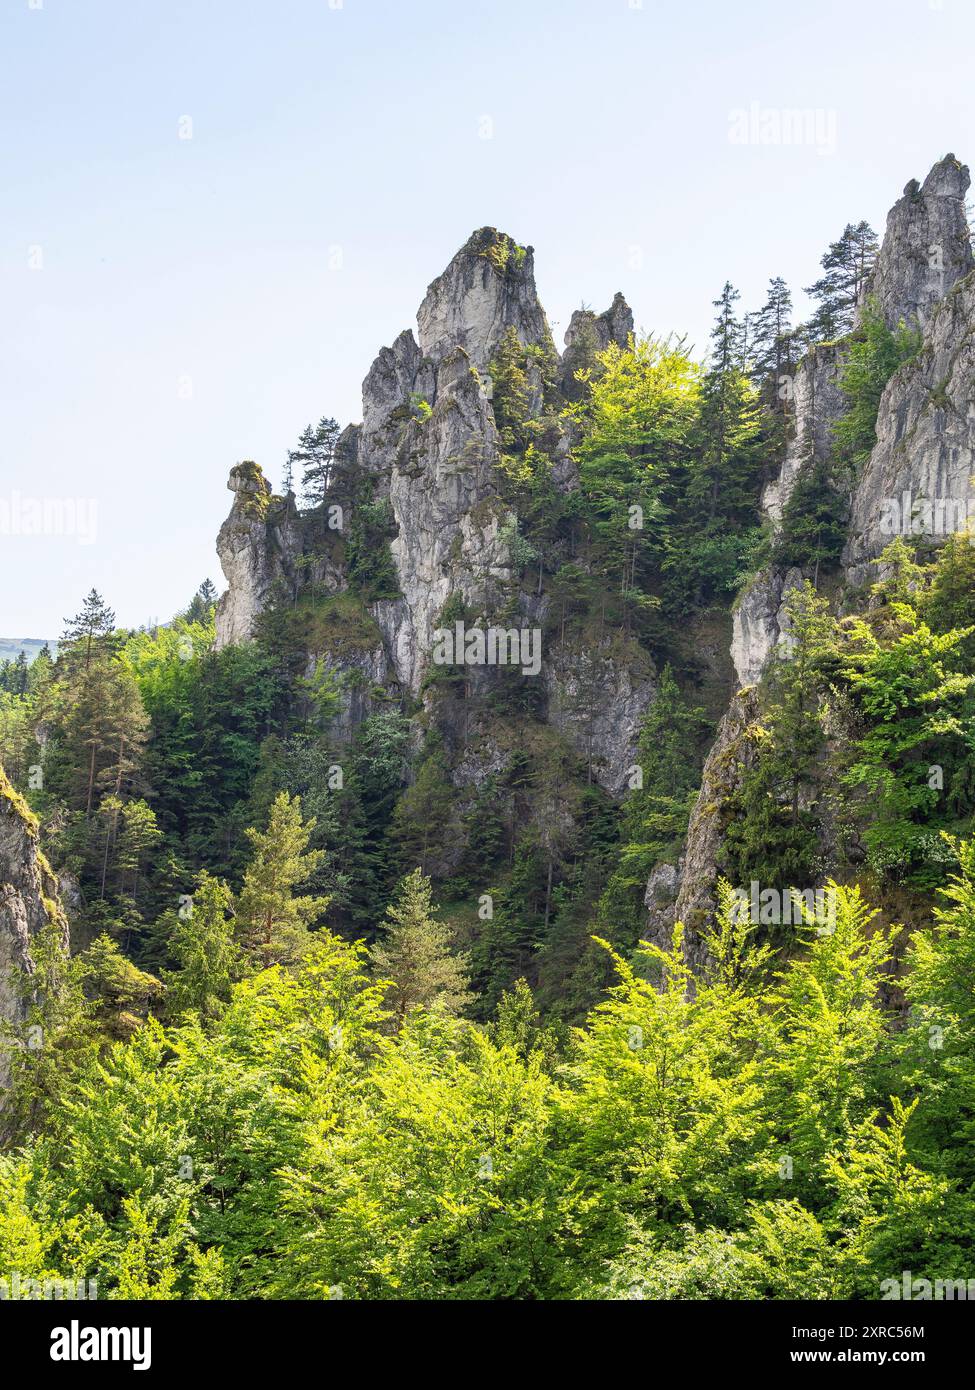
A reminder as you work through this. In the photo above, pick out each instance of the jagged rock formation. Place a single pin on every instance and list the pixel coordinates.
(489, 286)
(926, 250)
(925, 451)
(759, 621)
(448, 515)
(918, 480)
(28, 902)
(257, 545)
(428, 448)
(589, 332)
(926, 247)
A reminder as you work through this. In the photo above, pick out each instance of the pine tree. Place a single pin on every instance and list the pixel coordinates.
(772, 346)
(415, 954)
(201, 605)
(315, 456)
(847, 264)
(88, 630)
(272, 922)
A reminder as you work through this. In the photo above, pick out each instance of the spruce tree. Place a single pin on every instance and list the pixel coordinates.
(272, 922)
(201, 940)
(415, 954)
(87, 632)
(773, 345)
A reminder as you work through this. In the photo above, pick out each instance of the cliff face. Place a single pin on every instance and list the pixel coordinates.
(921, 467)
(28, 902)
(428, 449)
(925, 252)
(918, 480)
(926, 247)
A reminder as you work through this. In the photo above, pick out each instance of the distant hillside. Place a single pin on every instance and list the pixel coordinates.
(10, 646)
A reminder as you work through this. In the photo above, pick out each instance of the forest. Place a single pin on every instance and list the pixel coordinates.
(317, 1011)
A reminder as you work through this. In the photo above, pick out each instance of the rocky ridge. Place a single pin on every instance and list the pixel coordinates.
(925, 451)
(429, 448)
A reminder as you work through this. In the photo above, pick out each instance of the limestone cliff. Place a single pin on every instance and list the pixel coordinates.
(926, 247)
(925, 251)
(919, 473)
(428, 450)
(918, 480)
(28, 902)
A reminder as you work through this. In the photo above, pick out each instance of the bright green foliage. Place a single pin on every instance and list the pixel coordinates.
(414, 955)
(201, 940)
(874, 354)
(914, 693)
(718, 1133)
(272, 922)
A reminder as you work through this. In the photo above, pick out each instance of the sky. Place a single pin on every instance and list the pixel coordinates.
(213, 215)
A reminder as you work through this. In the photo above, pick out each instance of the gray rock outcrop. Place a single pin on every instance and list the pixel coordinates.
(29, 904)
(257, 545)
(926, 247)
(488, 287)
(589, 333)
(760, 621)
(918, 480)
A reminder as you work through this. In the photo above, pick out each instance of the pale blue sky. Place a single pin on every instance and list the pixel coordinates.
(359, 126)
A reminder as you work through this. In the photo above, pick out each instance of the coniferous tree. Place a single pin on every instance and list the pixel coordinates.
(415, 954)
(847, 263)
(315, 456)
(88, 631)
(772, 346)
(272, 921)
(202, 603)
